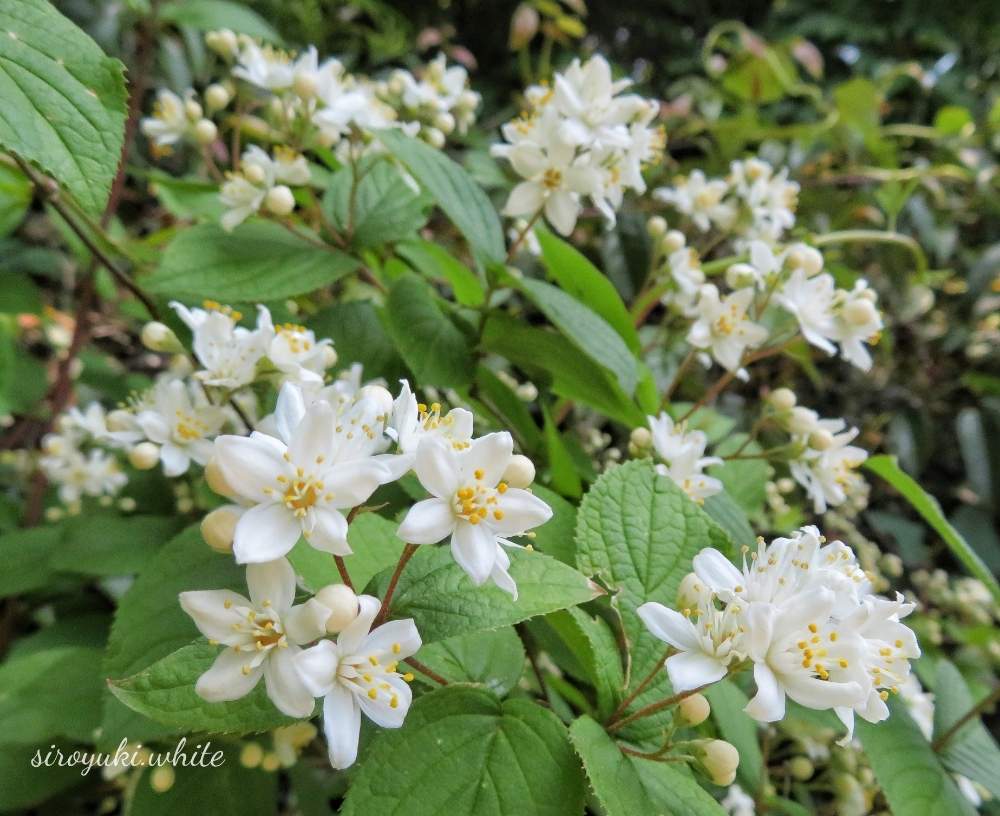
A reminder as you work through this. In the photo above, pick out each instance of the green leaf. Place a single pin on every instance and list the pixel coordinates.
(737, 727)
(25, 555)
(105, 544)
(164, 692)
(51, 693)
(64, 100)
(539, 352)
(441, 598)
(637, 532)
(972, 752)
(626, 786)
(209, 15)
(556, 536)
(23, 785)
(467, 753)
(386, 209)
(594, 645)
(433, 347)
(562, 470)
(15, 198)
(257, 261)
(580, 278)
(510, 409)
(232, 788)
(907, 769)
(359, 337)
(731, 518)
(433, 262)
(586, 329)
(494, 659)
(188, 198)
(454, 191)
(926, 505)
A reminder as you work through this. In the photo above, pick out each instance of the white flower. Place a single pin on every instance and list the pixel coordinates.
(244, 193)
(593, 113)
(685, 270)
(699, 199)
(228, 352)
(94, 474)
(412, 422)
(683, 455)
(299, 483)
(810, 300)
(723, 327)
(472, 505)
(356, 674)
(169, 123)
(708, 639)
(182, 421)
(770, 198)
(831, 476)
(264, 66)
(857, 322)
(738, 802)
(93, 422)
(262, 636)
(297, 353)
(347, 103)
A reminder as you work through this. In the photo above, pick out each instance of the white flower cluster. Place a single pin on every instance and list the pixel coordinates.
(682, 455)
(802, 612)
(752, 203)
(581, 138)
(295, 99)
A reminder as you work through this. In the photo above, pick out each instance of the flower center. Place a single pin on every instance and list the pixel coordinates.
(188, 428)
(551, 179)
(475, 502)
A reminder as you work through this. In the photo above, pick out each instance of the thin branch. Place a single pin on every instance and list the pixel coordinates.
(522, 235)
(425, 670)
(405, 556)
(345, 576)
(940, 742)
(655, 708)
(623, 707)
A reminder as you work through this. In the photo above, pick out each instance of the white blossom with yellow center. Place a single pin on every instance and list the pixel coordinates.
(414, 421)
(180, 419)
(723, 328)
(229, 353)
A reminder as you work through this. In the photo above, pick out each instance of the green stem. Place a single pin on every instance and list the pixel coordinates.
(864, 236)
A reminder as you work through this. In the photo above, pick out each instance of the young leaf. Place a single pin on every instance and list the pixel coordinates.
(492, 659)
(63, 99)
(625, 786)
(466, 754)
(543, 584)
(454, 191)
(257, 261)
(433, 347)
(926, 505)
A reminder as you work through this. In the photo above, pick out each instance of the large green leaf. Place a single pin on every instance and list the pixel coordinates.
(465, 752)
(433, 347)
(907, 769)
(731, 518)
(359, 337)
(441, 598)
(627, 787)
(164, 692)
(586, 329)
(494, 659)
(926, 505)
(63, 100)
(454, 191)
(637, 532)
(105, 544)
(209, 15)
(15, 198)
(556, 536)
(22, 785)
(594, 646)
(435, 261)
(257, 261)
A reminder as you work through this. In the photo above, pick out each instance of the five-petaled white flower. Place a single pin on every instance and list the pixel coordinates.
(182, 421)
(356, 674)
(261, 634)
(298, 483)
(472, 505)
(723, 327)
(683, 455)
(414, 421)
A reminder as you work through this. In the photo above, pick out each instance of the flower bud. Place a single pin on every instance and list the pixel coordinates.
(379, 395)
(223, 42)
(162, 778)
(433, 137)
(801, 768)
(802, 421)
(820, 439)
(785, 485)
(306, 84)
(656, 226)
(526, 392)
(329, 357)
(193, 110)
(694, 710)
(444, 122)
(520, 471)
(720, 760)
(53, 514)
(127, 504)
(271, 762)
(468, 100)
(216, 96)
(144, 456)
(120, 419)
(691, 592)
(280, 200)
(782, 399)
(216, 481)
(860, 311)
(741, 275)
(218, 528)
(158, 336)
(254, 173)
(205, 131)
(251, 755)
(523, 26)
(673, 241)
(812, 260)
(342, 603)
(641, 437)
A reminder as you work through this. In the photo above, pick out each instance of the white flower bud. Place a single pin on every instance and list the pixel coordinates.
(185, 505)
(469, 100)
(397, 82)
(782, 399)
(520, 471)
(802, 421)
(251, 755)
(329, 357)
(741, 275)
(694, 710)
(795, 258)
(144, 456)
(801, 768)
(860, 311)
(120, 420)
(691, 592)
(673, 241)
(193, 110)
(820, 439)
(785, 485)
(720, 760)
(812, 260)
(127, 504)
(433, 137)
(162, 778)
(641, 437)
(216, 96)
(444, 122)
(158, 336)
(216, 481)
(379, 395)
(254, 173)
(868, 294)
(305, 84)
(205, 131)
(342, 603)
(271, 762)
(280, 200)
(526, 392)
(223, 42)
(53, 514)
(218, 528)
(656, 226)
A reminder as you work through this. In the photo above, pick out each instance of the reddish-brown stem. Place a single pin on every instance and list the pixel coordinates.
(383, 612)
(344, 574)
(623, 707)
(522, 235)
(427, 671)
(655, 708)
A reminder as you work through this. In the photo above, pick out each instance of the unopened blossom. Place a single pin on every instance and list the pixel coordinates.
(298, 483)
(358, 673)
(229, 353)
(699, 199)
(472, 506)
(682, 455)
(182, 421)
(723, 327)
(261, 634)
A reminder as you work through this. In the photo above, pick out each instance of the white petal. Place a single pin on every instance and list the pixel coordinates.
(768, 705)
(760, 629)
(500, 574)
(175, 460)
(226, 680)
(289, 410)
(437, 467)
(207, 609)
(717, 571)
(474, 548)
(272, 584)
(353, 635)
(396, 640)
(264, 533)
(352, 483)
(285, 687)
(427, 522)
(521, 512)
(525, 199)
(815, 693)
(306, 622)
(341, 726)
(670, 626)
(329, 532)
(312, 440)
(490, 454)
(562, 209)
(690, 670)
(249, 464)
(317, 667)
(380, 710)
